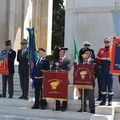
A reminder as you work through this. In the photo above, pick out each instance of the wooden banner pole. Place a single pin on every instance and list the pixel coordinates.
(82, 99)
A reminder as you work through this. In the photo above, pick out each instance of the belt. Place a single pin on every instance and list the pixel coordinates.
(38, 77)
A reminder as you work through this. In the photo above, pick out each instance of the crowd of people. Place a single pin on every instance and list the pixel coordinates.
(61, 61)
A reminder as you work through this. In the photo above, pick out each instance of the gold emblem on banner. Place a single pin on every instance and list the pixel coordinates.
(55, 83)
(83, 74)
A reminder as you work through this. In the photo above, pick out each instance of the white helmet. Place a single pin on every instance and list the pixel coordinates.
(86, 43)
(107, 39)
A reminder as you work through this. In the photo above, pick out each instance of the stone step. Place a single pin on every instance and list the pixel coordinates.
(21, 109)
(16, 117)
(101, 117)
(106, 110)
(117, 112)
(43, 115)
(16, 108)
(73, 105)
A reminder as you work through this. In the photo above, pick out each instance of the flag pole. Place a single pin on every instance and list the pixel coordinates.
(29, 60)
(83, 97)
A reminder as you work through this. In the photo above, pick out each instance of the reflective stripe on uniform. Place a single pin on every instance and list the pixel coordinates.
(110, 93)
(104, 93)
(104, 58)
(38, 77)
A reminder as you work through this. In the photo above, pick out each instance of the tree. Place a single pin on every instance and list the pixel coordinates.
(58, 23)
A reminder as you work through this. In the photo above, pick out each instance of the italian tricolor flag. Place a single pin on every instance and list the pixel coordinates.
(76, 54)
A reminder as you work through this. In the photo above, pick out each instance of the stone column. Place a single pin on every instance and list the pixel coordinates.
(3, 22)
(16, 16)
(42, 21)
(16, 20)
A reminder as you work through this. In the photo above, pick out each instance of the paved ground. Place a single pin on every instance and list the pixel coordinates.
(17, 109)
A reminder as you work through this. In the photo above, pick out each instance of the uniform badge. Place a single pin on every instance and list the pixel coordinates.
(102, 51)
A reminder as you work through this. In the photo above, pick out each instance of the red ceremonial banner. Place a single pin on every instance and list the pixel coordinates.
(4, 64)
(83, 75)
(55, 85)
(115, 57)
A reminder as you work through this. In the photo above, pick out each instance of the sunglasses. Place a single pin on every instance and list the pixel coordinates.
(106, 42)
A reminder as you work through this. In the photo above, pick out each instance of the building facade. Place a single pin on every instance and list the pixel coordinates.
(90, 20)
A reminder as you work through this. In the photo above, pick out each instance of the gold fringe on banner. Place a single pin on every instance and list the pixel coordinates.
(55, 99)
(84, 86)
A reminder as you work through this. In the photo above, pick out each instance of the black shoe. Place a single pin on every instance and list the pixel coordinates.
(26, 98)
(43, 107)
(99, 99)
(92, 111)
(81, 110)
(109, 103)
(63, 109)
(57, 109)
(10, 96)
(1, 95)
(35, 107)
(102, 103)
(79, 98)
(21, 97)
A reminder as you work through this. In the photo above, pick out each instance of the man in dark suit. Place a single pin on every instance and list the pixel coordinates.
(23, 69)
(8, 78)
(40, 65)
(63, 63)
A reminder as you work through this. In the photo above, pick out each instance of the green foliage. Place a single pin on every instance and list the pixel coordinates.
(58, 24)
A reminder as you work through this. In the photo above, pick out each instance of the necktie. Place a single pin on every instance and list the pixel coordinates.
(38, 61)
(23, 51)
(60, 60)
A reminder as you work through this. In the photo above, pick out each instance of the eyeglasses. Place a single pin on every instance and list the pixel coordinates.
(106, 42)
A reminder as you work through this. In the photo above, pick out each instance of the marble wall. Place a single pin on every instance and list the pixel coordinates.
(90, 20)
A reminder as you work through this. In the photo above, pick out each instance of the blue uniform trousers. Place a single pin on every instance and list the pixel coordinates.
(107, 86)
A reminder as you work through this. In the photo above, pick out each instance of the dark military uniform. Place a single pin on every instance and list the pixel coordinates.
(39, 67)
(9, 78)
(23, 70)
